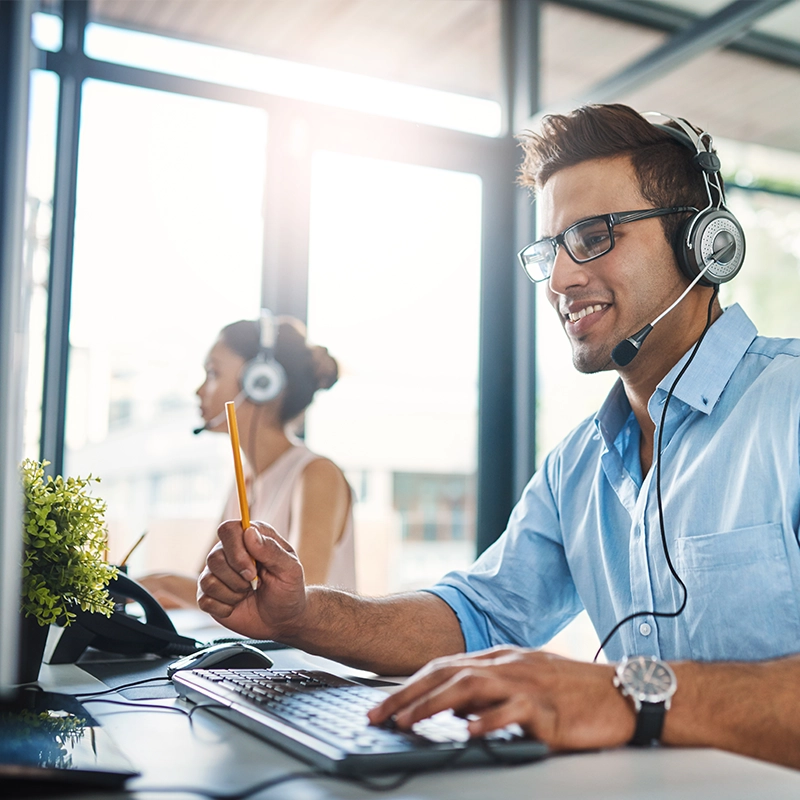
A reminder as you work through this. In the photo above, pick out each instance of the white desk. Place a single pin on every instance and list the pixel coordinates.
(210, 753)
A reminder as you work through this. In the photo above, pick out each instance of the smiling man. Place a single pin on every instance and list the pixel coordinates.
(671, 515)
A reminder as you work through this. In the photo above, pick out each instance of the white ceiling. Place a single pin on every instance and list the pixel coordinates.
(455, 45)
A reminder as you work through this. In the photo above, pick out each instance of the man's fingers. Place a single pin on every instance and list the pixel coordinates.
(219, 566)
(268, 531)
(215, 595)
(435, 673)
(468, 691)
(464, 690)
(268, 550)
(246, 551)
(518, 708)
(232, 542)
(421, 684)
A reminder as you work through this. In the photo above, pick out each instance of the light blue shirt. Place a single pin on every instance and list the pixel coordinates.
(585, 533)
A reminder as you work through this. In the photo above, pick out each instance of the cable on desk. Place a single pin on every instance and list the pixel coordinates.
(198, 706)
(142, 705)
(204, 792)
(120, 688)
(263, 786)
(368, 783)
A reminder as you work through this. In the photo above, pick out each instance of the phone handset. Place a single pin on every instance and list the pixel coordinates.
(121, 632)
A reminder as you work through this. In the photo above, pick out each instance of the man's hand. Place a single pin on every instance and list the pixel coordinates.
(569, 705)
(224, 590)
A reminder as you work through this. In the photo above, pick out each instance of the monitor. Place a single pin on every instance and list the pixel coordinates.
(15, 61)
(47, 740)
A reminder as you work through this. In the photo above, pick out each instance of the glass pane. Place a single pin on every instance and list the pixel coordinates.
(768, 286)
(38, 227)
(46, 31)
(168, 243)
(394, 294)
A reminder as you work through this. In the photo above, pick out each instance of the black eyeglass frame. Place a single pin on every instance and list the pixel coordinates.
(611, 220)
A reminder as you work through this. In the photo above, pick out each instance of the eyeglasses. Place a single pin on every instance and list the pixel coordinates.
(584, 240)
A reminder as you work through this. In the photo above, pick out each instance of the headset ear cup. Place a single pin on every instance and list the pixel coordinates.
(262, 380)
(708, 235)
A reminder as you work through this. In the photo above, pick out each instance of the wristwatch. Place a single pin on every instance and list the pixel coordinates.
(650, 684)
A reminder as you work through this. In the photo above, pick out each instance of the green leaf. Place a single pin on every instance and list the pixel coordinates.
(64, 541)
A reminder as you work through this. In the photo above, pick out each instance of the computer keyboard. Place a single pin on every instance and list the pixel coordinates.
(321, 718)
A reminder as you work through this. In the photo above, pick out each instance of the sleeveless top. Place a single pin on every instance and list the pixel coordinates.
(270, 495)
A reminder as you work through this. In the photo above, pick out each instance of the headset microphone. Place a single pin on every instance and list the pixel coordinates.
(626, 350)
(214, 421)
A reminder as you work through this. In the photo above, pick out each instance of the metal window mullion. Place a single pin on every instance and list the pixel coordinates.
(506, 424)
(54, 392)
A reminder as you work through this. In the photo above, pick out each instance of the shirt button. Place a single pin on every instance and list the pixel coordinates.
(645, 629)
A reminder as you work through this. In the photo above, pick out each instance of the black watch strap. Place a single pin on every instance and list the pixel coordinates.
(649, 723)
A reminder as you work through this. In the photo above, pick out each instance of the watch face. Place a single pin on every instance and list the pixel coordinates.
(647, 679)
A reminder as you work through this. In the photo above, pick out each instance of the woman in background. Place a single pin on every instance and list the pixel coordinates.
(305, 497)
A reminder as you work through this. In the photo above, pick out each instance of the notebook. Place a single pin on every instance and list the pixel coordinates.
(321, 718)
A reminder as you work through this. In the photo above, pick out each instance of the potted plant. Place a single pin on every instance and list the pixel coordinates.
(64, 564)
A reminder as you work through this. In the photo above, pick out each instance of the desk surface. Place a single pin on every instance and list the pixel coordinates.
(219, 757)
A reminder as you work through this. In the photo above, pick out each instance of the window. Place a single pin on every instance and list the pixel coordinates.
(167, 250)
(393, 293)
(38, 228)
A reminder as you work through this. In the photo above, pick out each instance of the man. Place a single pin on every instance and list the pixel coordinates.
(671, 516)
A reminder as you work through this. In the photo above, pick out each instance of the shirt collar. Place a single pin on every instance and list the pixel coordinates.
(613, 414)
(723, 348)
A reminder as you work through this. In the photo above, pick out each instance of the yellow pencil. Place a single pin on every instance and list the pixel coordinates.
(233, 429)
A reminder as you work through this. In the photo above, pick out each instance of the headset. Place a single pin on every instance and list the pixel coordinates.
(263, 378)
(712, 240)
(710, 248)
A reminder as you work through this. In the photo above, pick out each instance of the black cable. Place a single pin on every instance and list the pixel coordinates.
(372, 784)
(672, 569)
(251, 790)
(120, 688)
(141, 705)
(198, 706)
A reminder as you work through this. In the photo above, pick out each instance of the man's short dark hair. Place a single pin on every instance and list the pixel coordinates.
(663, 166)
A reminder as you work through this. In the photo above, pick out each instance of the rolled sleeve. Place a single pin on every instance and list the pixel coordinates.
(473, 622)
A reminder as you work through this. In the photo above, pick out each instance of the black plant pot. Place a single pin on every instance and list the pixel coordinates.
(33, 638)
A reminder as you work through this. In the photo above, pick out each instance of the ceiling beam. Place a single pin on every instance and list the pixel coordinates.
(717, 30)
(672, 20)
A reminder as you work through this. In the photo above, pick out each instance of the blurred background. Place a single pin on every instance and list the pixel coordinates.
(353, 163)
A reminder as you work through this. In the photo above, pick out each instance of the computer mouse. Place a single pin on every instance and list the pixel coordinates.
(230, 655)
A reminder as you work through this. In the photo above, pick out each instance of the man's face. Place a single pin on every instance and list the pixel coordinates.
(604, 301)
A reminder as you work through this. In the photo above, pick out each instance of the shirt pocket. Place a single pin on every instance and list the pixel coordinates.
(741, 602)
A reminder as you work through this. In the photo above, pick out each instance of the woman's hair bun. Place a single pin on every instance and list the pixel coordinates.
(326, 370)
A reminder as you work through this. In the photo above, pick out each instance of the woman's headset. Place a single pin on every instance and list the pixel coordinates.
(712, 238)
(263, 378)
